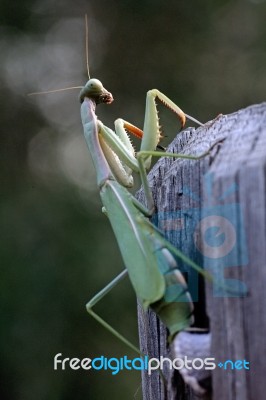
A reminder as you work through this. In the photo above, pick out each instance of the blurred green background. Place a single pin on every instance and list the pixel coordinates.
(57, 248)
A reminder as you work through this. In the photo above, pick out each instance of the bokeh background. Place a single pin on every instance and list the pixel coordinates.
(57, 248)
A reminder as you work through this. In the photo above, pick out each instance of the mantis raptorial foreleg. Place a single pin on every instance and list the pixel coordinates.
(125, 152)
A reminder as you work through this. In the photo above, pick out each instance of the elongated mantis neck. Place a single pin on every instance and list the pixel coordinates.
(91, 124)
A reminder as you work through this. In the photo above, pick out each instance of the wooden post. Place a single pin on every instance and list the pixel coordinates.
(214, 211)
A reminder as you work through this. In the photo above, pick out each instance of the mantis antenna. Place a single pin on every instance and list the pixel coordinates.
(87, 45)
(87, 65)
(55, 90)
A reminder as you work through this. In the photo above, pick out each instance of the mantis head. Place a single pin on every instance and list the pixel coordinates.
(94, 90)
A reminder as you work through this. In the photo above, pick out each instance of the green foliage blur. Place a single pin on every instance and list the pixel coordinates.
(57, 248)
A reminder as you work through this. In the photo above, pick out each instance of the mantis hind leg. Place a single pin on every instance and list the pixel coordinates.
(101, 321)
(231, 289)
(101, 295)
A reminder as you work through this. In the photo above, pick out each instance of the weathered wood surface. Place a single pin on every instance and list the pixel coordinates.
(229, 183)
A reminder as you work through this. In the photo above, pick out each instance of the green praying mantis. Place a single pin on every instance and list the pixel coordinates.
(149, 258)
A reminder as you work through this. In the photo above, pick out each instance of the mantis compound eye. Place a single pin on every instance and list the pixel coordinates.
(95, 84)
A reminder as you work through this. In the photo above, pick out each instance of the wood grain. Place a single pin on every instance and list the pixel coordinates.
(229, 183)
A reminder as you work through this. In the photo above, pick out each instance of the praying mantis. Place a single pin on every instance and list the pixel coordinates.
(148, 257)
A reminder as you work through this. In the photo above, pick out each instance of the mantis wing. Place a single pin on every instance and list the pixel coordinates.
(136, 241)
